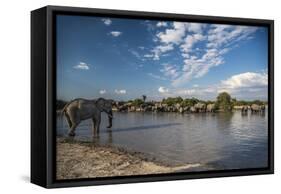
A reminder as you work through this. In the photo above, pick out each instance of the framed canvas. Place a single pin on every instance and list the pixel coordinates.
(125, 96)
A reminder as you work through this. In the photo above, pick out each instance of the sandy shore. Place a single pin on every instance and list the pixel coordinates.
(84, 160)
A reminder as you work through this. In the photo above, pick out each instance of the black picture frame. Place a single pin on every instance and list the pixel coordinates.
(43, 96)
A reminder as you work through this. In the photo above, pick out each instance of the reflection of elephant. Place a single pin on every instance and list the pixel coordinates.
(244, 109)
(257, 108)
(200, 107)
(211, 108)
(80, 109)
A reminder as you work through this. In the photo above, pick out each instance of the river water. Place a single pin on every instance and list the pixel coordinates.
(219, 140)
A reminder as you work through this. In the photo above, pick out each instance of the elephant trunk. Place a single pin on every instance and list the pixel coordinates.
(110, 117)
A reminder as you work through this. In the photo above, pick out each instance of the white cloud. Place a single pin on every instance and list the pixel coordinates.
(243, 80)
(107, 21)
(173, 35)
(102, 91)
(115, 33)
(226, 35)
(197, 67)
(249, 85)
(122, 91)
(148, 55)
(189, 41)
(165, 48)
(170, 71)
(162, 89)
(159, 50)
(195, 27)
(82, 66)
(162, 24)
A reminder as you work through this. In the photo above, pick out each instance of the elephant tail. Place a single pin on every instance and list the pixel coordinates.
(63, 111)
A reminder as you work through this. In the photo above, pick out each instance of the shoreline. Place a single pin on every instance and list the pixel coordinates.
(80, 159)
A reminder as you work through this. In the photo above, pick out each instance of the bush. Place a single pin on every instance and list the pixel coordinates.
(137, 102)
(172, 101)
(188, 102)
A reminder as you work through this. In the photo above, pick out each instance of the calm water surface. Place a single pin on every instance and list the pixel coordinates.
(220, 140)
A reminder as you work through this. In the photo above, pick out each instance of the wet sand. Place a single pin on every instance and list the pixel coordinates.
(77, 159)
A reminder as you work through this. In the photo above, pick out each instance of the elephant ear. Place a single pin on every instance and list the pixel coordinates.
(100, 103)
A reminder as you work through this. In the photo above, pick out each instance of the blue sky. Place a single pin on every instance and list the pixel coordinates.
(123, 59)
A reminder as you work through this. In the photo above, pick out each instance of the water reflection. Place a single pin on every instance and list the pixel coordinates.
(144, 127)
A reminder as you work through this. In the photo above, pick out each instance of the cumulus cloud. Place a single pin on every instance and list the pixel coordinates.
(190, 41)
(162, 24)
(195, 27)
(122, 91)
(246, 80)
(248, 85)
(173, 35)
(162, 89)
(107, 21)
(102, 91)
(82, 66)
(115, 33)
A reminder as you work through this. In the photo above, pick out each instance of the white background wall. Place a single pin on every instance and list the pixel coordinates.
(15, 94)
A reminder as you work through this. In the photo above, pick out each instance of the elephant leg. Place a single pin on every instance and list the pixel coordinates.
(72, 129)
(74, 120)
(75, 123)
(94, 131)
(98, 121)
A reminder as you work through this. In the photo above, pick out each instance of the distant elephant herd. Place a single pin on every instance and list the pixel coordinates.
(254, 108)
(196, 108)
(162, 107)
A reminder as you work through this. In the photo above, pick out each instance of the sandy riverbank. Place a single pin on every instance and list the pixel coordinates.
(84, 159)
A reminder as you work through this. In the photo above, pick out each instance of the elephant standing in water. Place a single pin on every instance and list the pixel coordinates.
(80, 109)
(200, 107)
(257, 108)
(210, 108)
